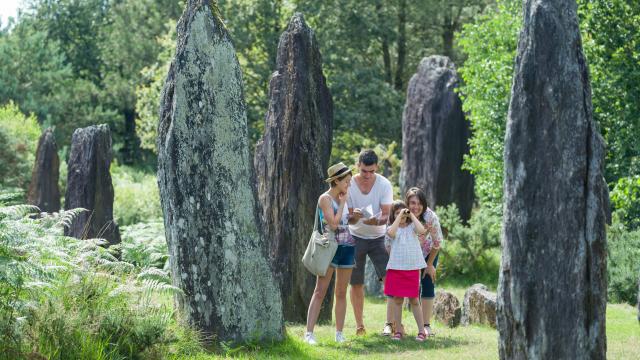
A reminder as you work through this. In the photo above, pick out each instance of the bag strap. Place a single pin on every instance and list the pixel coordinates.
(315, 222)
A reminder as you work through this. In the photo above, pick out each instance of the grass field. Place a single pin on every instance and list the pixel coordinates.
(472, 342)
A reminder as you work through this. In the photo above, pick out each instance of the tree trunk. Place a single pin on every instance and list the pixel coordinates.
(131, 148)
(89, 185)
(552, 292)
(402, 44)
(434, 137)
(218, 253)
(43, 189)
(386, 56)
(290, 162)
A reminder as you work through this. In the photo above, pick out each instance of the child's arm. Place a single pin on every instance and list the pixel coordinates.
(418, 225)
(394, 227)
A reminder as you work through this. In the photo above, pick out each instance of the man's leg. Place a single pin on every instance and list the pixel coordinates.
(357, 283)
(379, 257)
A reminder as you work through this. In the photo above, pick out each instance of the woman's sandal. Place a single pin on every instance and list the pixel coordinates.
(421, 337)
(397, 336)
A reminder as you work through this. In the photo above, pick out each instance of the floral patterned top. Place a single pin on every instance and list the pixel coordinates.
(433, 237)
(343, 236)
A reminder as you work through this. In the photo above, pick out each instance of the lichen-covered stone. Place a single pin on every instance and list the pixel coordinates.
(290, 163)
(479, 306)
(89, 185)
(372, 284)
(552, 288)
(435, 137)
(446, 309)
(43, 189)
(218, 252)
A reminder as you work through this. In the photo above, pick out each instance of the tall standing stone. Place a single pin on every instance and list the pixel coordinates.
(43, 189)
(435, 135)
(89, 185)
(218, 252)
(552, 291)
(290, 163)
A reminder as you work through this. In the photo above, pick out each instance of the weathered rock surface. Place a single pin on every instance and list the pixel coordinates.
(43, 189)
(479, 306)
(372, 284)
(290, 162)
(207, 188)
(89, 185)
(552, 288)
(435, 135)
(446, 309)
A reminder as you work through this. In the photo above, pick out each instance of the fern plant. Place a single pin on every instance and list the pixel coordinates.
(65, 298)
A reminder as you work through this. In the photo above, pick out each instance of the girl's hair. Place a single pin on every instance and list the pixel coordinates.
(395, 206)
(334, 181)
(422, 197)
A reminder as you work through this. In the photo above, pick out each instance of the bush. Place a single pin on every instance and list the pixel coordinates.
(623, 267)
(19, 138)
(136, 196)
(65, 298)
(471, 252)
(625, 199)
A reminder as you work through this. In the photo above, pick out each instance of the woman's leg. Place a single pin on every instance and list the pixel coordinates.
(342, 282)
(322, 284)
(427, 309)
(417, 313)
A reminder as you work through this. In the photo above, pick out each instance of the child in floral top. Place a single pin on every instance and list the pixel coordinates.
(405, 262)
(431, 242)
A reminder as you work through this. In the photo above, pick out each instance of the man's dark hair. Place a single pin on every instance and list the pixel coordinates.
(368, 157)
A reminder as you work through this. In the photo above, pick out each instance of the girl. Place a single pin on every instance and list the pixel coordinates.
(405, 262)
(333, 218)
(431, 242)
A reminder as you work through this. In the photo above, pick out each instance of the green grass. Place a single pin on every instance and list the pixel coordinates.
(472, 342)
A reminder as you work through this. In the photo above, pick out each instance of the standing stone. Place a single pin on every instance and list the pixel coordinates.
(479, 306)
(291, 161)
(552, 288)
(447, 310)
(43, 190)
(89, 185)
(218, 252)
(372, 284)
(435, 135)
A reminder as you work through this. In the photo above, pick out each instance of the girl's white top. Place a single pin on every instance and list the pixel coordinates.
(406, 253)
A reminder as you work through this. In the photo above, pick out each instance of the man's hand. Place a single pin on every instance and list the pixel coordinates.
(372, 221)
(356, 215)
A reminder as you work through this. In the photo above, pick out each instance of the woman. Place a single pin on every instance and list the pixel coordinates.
(431, 242)
(333, 218)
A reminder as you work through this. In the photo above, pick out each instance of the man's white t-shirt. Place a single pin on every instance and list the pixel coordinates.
(381, 194)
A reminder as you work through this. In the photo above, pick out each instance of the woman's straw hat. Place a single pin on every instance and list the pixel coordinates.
(337, 171)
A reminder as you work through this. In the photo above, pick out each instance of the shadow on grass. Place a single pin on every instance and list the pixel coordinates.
(378, 344)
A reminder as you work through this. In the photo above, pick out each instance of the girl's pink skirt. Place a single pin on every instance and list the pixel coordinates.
(402, 283)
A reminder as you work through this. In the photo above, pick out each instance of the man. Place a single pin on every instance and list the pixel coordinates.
(370, 194)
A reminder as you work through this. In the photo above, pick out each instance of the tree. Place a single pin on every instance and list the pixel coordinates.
(490, 46)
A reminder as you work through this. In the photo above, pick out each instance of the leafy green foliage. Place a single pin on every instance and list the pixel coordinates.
(490, 44)
(71, 298)
(623, 267)
(470, 251)
(144, 245)
(136, 195)
(611, 33)
(625, 199)
(19, 138)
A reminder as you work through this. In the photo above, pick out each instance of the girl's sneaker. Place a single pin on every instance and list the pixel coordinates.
(310, 339)
(421, 337)
(339, 337)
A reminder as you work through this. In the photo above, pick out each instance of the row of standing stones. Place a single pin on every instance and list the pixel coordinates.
(89, 183)
(224, 225)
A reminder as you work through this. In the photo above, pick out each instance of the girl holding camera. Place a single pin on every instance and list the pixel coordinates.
(405, 263)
